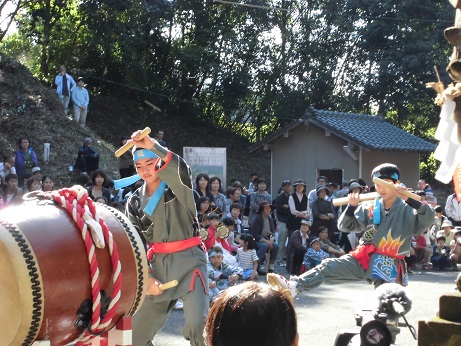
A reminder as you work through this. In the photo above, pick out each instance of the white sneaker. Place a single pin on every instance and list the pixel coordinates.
(278, 281)
(179, 305)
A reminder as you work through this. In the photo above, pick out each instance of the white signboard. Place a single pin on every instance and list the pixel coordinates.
(211, 161)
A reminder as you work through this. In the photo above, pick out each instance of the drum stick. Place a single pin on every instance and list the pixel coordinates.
(393, 187)
(362, 197)
(168, 285)
(128, 145)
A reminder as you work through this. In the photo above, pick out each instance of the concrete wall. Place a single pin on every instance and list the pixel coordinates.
(309, 148)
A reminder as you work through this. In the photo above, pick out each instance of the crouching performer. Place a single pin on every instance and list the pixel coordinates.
(389, 225)
(163, 211)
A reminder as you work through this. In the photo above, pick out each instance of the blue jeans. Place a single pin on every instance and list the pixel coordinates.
(261, 249)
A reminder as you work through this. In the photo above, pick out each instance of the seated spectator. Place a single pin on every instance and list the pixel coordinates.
(252, 314)
(202, 188)
(100, 199)
(233, 196)
(297, 247)
(219, 198)
(25, 160)
(37, 171)
(422, 252)
(203, 206)
(262, 229)
(11, 193)
(84, 180)
(7, 166)
(323, 213)
(87, 158)
(221, 275)
(34, 183)
(217, 236)
(257, 197)
(455, 247)
(446, 231)
(326, 245)
(314, 256)
(422, 185)
(98, 179)
(247, 259)
(47, 183)
(422, 194)
(440, 254)
(234, 213)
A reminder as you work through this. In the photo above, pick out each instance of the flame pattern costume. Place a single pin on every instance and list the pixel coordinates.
(381, 259)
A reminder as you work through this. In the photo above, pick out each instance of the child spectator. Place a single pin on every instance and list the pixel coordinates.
(440, 254)
(217, 236)
(422, 252)
(297, 247)
(455, 246)
(203, 206)
(11, 194)
(221, 276)
(100, 199)
(314, 256)
(247, 258)
(34, 184)
(234, 213)
(252, 314)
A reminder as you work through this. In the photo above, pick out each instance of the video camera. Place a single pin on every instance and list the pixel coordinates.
(380, 324)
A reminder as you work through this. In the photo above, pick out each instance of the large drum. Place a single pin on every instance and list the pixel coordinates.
(45, 273)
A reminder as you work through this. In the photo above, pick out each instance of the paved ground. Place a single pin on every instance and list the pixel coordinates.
(330, 308)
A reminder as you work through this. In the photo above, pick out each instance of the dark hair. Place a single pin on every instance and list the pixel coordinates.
(95, 175)
(420, 192)
(100, 197)
(200, 200)
(228, 221)
(438, 209)
(235, 206)
(361, 182)
(10, 176)
(219, 181)
(110, 183)
(248, 238)
(83, 179)
(322, 177)
(251, 314)
(253, 175)
(216, 249)
(212, 216)
(47, 177)
(27, 139)
(31, 180)
(386, 170)
(200, 176)
(321, 228)
(231, 191)
(238, 184)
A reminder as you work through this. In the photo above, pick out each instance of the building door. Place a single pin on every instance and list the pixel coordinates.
(334, 175)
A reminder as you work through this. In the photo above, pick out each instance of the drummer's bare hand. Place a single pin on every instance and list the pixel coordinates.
(145, 142)
(354, 199)
(399, 188)
(153, 287)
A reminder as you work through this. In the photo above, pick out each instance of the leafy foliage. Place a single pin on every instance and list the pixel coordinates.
(250, 70)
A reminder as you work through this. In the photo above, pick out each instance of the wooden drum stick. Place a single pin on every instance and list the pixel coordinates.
(168, 285)
(362, 197)
(128, 145)
(393, 187)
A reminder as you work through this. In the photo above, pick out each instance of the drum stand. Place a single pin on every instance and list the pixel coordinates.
(120, 335)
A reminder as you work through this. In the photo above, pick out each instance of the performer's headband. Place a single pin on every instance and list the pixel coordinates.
(143, 154)
(214, 253)
(394, 176)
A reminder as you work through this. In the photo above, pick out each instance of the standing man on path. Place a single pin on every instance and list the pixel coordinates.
(64, 83)
(80, 99)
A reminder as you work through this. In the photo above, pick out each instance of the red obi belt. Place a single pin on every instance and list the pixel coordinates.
(173, 246)
(362, 254)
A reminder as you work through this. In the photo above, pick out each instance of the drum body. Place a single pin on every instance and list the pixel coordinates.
(46, 274)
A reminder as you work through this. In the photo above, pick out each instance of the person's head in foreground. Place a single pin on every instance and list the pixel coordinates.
(252, 314)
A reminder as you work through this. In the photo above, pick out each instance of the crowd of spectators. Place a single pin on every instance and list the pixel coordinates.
(248, 232)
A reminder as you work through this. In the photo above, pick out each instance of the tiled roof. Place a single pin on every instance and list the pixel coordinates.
(370, 132)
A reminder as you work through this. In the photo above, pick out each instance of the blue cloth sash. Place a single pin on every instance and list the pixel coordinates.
(155, 198)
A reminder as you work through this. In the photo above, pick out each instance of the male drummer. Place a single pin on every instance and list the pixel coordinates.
(163, 211)
(387, 239)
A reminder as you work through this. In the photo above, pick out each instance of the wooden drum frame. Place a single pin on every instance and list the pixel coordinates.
(46, 275)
